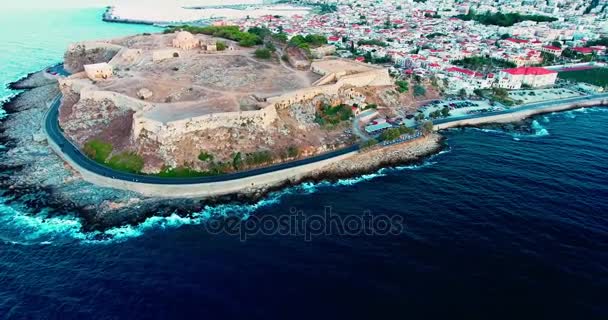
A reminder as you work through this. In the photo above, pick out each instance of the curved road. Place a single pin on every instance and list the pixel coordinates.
(71, 151)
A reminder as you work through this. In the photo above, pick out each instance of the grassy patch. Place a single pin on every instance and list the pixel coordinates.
(402, 86)
(127, 162)
(597, 76)
(328, 115)
(97, 150)
(258, 158)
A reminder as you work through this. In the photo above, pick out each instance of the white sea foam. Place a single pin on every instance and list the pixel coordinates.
(539, 130)
(41, 230)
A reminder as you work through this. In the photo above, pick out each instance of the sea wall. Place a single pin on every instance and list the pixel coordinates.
(248, 186)
(524, 113)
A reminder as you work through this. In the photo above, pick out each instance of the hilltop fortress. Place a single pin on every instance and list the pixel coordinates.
(164, 87)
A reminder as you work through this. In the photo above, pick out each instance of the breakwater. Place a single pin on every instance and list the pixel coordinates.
(520, 113)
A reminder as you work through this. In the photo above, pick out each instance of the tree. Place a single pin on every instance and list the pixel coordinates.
(237, 161)
(462, 92)
(445, 112)
(478, 92)
(419, 90)
(548, 58)
(556, 44)
(390, 134)
(500, 92)
(427, 127)
(369, 143)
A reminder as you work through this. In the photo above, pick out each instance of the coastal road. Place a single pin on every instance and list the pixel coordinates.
(69, 150)
(72, 152)
(531, 106)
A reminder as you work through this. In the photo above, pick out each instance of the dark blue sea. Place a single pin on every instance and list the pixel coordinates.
(500, 225)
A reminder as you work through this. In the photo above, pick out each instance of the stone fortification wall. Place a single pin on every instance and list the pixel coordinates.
(378, 77)
(165, 132)
(82, 53)
(123, 102)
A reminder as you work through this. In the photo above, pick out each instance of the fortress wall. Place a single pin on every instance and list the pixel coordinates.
(165, 132)
(287, 99)
(368, 78)
(121, 101)
(126, 56)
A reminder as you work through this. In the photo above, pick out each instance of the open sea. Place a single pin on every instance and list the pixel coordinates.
(498, 226)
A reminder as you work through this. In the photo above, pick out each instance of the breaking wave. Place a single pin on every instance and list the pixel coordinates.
(539, 130)
(25, 229)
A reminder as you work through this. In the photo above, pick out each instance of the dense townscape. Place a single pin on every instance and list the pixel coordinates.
(280, 87)
(466, 44)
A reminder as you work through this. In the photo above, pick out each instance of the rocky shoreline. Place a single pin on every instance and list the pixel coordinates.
(31, 174)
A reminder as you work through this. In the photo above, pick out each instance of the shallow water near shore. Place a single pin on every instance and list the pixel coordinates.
(500, 225)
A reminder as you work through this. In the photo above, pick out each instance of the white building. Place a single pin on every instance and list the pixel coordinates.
(532, 76)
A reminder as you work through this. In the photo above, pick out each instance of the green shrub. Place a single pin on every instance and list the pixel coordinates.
(258, 158)
(293, 152)
(97, 150)
(263, 53)
(221, 46)
(333, 115)
(419, 90)
(204, 156)
(369, 143)
(402, 86)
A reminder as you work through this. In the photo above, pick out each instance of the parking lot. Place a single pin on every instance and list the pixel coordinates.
(457, 108)
(537, 95)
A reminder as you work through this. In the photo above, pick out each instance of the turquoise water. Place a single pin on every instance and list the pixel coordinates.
(32, 39)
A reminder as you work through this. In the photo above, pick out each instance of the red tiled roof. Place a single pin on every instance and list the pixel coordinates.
(537, 71)
(552, 48)
(583, 50)
(462, 70)
(517, 40)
